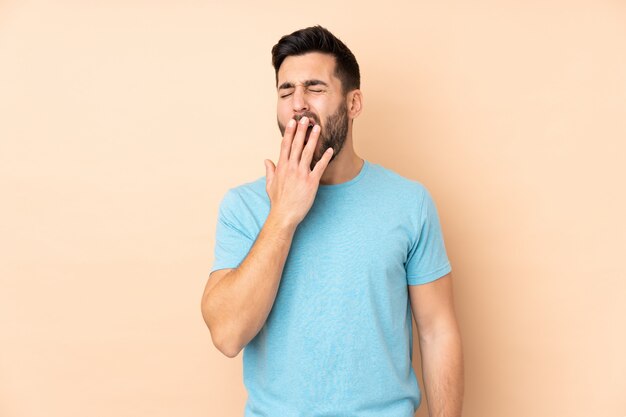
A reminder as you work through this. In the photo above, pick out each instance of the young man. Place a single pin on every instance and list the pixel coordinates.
(319, 263)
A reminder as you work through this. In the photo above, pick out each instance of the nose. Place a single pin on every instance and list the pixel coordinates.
(299, 102)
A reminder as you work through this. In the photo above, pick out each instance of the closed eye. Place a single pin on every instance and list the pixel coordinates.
(311, 90)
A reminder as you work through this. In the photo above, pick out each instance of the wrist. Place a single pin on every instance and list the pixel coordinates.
(281, 224)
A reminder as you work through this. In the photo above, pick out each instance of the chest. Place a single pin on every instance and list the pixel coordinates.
(351, 244)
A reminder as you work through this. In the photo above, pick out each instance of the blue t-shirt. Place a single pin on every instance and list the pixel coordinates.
(338, 340)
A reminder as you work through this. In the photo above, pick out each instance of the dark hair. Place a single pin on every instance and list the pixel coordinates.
(319, 39)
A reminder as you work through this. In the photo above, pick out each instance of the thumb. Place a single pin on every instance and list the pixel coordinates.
(269, 171)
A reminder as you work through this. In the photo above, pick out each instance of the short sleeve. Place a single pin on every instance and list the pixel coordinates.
(427, 259)
(232, 241)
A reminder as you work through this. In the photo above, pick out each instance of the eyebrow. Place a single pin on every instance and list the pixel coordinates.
(307, 83)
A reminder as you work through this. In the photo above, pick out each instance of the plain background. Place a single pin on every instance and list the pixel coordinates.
(123, 123)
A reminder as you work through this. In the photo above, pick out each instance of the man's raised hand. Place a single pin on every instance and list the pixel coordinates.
(292, 185)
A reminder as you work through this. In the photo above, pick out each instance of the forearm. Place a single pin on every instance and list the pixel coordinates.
(239, 303)
(443, 374)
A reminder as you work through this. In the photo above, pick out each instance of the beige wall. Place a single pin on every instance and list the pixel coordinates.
(123, 123)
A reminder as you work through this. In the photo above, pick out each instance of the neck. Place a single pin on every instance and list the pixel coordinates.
(344, 167)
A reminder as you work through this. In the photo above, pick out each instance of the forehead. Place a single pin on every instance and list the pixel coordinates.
(312, 65)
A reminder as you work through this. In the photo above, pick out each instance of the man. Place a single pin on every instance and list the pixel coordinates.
(319, 263)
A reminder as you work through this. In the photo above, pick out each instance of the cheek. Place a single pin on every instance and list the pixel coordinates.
(283, 112)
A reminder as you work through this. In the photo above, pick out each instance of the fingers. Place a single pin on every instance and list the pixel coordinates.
(298, 140)
(293, 144)
(285, 146)
(309, 148)
(321, 165)
(270, 168)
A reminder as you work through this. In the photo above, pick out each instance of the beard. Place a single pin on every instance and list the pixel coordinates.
(333, 133)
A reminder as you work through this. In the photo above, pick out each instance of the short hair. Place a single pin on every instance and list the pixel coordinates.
(319, 39)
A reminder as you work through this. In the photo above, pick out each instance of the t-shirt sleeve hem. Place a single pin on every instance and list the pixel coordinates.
(223, 266)
(436, 274)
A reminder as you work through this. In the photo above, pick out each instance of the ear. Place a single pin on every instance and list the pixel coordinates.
(354, 103)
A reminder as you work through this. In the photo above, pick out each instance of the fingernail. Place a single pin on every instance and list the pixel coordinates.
(304, 120)
(291, 123)
(316, 128)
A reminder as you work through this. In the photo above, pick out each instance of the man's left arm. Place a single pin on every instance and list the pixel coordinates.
(440, 345)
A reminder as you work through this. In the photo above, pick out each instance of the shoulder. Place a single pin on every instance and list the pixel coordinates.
(252, 191)
(398, 184)
(248, 203)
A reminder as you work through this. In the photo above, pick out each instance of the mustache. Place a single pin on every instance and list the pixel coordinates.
(310, 115)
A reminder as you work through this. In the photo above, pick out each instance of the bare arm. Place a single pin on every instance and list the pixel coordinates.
(241, 300)
(236, 305)
(440, 346)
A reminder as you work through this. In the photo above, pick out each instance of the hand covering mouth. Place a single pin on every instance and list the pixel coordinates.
(308, 133)
(309, 128)
(312, 121)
